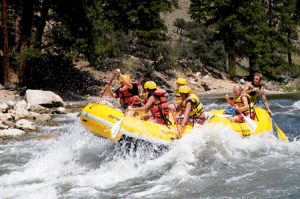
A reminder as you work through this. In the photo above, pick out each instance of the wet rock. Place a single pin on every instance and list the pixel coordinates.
(33, 115)
(43, 118)
(22, 105)
(38, 108)
(11, 133)
(10, 124)
(11, 104)
(3, 126)
(60, 110)
(6, 117)
(25, 125)
(43, 98)
(3, 108)
(20, 114)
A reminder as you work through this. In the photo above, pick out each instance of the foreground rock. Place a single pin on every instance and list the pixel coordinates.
(18, 116)
(43, 98)
(25, 125)
(11, 133)
(3, 108)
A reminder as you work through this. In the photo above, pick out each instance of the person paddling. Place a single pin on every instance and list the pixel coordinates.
(252, 88)
(240, 105)
(156, 102)
(191, 107)
(126, 92)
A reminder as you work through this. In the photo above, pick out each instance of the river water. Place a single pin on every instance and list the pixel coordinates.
(66, 161)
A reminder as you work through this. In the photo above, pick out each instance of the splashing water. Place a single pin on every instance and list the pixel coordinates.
(212, 161)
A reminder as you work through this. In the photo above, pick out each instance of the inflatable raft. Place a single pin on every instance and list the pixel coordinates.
(100, 118)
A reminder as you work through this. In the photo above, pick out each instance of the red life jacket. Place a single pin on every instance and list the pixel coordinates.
(160, 110)
(126, 95)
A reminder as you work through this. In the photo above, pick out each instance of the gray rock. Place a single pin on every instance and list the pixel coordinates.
(43, 118)
(6, 117)
(3, 108)
(43, 98)
(11, 104)
(22, 105)
(25, 125)
(61, 110)
(20, 114)
(3, 126)
(1, 87)
(38, 108)
(10, 124)
(11, 133)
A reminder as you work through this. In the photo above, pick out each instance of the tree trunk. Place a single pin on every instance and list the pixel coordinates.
(27, 19)
(231, 65)
(289, 50)
(42, 23)
(5, 60)
(17, 28)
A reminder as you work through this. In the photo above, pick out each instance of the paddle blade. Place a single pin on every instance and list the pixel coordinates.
(250, 124)
(281, 135)
(116, 128)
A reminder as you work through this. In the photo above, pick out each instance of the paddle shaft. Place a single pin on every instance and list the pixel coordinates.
(109, 83)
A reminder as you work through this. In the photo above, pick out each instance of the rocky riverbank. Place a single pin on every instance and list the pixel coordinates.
(20, 115)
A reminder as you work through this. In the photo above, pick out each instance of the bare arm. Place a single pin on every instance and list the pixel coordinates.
(126, 83)
(186, 113)
(145, 107)
(110, 93)
(229, 101)
(263, 94)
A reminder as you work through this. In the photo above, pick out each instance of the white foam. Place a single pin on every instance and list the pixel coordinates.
(297, 105)
(203, 150)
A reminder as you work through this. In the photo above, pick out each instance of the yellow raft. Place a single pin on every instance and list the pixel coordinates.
(99, 119)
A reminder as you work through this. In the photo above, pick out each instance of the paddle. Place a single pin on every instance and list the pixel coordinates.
(252, 126)
(109, 83)
(116, 127)
(280, 134)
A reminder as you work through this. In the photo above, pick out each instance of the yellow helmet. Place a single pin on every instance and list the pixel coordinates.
(181, 81)
(184, 89)
(150, 85)
(127, 77)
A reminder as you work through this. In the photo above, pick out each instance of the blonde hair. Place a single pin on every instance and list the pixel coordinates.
(239, 87)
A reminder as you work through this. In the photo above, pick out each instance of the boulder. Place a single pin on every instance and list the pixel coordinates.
(10, 124)
(1, 87)
(20, 114)
(43, 98)
(22, 105)
(61, 110)
(38, 108)
(11, 104)
(3, 126)
(25, 125)
(11, 132)
(3, 108)
(43, 118)
(6, 117)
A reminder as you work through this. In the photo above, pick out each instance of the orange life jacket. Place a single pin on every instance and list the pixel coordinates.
(126, 95)
(160, 110)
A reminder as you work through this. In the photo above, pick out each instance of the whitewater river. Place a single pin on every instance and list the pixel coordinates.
(66, 161)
